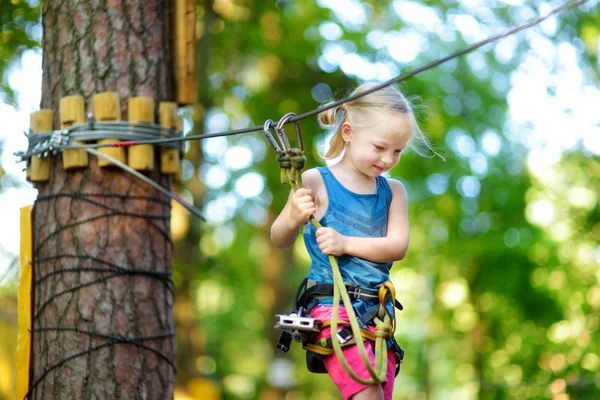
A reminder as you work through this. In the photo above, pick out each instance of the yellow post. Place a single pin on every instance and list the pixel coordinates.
(185, 51)
(106, 107)
(169, 157)
(141, 157)
(40, 121)
(24, 305)
(72, 112)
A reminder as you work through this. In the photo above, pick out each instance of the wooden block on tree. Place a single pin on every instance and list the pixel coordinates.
(169, 157)
(72, 112)
(40, 121)
(106, 107)
(141, 157)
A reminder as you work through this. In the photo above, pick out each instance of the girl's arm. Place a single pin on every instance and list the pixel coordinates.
(391, 248)
(298, 209)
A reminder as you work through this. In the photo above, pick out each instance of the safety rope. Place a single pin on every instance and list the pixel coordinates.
(291, 162)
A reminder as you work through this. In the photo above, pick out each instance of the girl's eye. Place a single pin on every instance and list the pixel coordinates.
(378, 147)
(398, 151)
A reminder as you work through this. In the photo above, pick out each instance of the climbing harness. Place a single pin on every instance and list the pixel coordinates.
(299, 326)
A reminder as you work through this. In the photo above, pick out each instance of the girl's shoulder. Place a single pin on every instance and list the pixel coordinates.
(396, 187)
(312, 179)
(311, 173)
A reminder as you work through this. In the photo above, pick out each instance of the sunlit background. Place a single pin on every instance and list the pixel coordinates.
(502, 282)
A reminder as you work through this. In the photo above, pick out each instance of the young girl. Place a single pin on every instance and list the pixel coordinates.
(364, 215)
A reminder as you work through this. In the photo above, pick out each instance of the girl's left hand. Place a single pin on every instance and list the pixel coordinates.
(330, 241)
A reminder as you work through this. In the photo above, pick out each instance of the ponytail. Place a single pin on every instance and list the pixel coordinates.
(333, 119)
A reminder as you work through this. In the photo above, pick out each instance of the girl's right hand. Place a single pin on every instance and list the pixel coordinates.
(302, 206)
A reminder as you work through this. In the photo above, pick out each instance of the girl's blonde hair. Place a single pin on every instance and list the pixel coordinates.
(386, 100)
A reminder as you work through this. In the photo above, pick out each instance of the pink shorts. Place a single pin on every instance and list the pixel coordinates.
(348, 386)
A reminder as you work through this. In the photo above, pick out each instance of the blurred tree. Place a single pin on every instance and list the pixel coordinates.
(476, 320)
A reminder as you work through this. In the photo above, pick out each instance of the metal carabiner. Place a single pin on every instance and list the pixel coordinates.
(267, 129)
(281, 131)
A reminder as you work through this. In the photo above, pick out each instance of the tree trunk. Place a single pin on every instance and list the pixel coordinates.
(102, 300)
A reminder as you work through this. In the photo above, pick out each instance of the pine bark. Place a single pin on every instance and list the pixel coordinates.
(102, 301)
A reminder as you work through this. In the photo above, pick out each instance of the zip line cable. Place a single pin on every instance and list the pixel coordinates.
(398, 79)
(44, 143)
(41, 137)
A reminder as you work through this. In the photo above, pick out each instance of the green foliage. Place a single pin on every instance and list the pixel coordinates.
(20, 31)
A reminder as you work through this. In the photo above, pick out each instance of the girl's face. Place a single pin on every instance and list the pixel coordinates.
(376, 148)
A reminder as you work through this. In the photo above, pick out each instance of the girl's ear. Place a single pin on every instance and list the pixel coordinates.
(347, 132)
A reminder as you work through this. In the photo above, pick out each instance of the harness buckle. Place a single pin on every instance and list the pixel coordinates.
(360, 293)
(344, 335)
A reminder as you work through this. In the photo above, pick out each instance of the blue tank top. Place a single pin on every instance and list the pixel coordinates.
(351, 214)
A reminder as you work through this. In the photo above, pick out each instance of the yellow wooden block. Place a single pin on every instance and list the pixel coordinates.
(40, 121)
(169, 157)
(106, 107)
(72, 112)
(141, 157)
